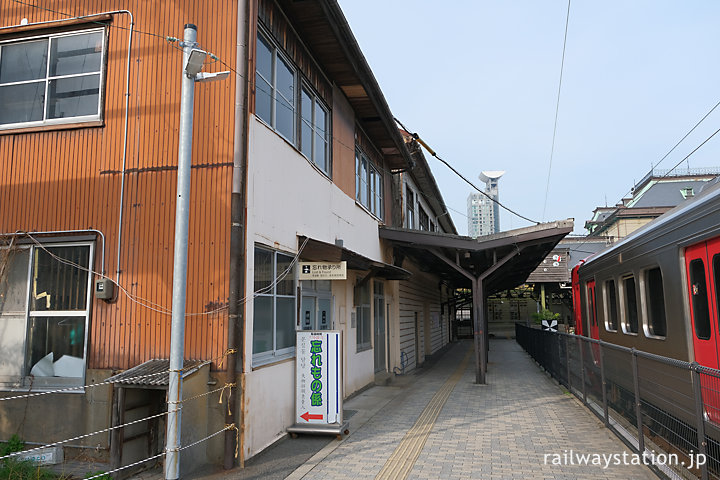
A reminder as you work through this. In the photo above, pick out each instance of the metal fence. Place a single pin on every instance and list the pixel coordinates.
(665, 409)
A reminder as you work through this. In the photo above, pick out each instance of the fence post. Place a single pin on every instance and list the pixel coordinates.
(603, 385)
(638, 411)
(582, 369)
(702, 443)
(567, 360)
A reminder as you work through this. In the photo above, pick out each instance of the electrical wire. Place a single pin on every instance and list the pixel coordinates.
(676, 145)
(689, 154)
(557, 110)
(77, 17)
(432, 152)
(157, 307)
(171, 40)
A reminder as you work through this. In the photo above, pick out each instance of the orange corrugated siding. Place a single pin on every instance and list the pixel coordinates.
(69, 179)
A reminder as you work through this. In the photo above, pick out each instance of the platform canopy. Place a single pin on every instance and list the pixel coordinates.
(487, 264)
(456, 258)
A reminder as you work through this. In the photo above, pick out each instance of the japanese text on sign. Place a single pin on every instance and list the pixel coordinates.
(323, 271)
(316, 373)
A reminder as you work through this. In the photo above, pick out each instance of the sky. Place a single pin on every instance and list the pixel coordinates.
(478, 81)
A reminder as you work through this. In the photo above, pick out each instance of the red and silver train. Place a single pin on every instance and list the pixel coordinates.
(658, 290)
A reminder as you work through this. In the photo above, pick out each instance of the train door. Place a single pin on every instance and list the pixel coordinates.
(703, 314)
(577, 309)
(594, 329)
(702, 263)
(592, 311)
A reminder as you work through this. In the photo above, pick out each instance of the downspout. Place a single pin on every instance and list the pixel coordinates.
(127, 113)
(125, 141)
(236, 306)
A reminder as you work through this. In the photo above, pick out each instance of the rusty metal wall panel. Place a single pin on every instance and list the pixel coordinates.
(70, 178)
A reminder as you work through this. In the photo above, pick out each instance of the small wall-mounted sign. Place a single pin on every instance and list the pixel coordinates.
(323, 270)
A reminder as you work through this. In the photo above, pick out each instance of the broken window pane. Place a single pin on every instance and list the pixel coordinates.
(56, 346)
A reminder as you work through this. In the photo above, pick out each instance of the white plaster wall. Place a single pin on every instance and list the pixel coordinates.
(269, 405)
(287, 196)
(359, 366)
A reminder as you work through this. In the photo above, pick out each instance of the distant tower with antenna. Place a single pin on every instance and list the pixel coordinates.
(484, 213)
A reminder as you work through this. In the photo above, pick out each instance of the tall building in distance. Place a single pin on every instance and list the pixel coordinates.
(484, 213)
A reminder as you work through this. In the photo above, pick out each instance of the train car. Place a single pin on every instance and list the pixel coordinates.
(658, 291)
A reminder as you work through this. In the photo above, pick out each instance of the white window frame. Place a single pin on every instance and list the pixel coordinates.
(316, 130)
(608, 305)
(23, 380)
(423, 219)
(277, 55)
(410, 208)
(275, 354)
(645, 303)
(369, 190)
(47, 79)
(624, 310)
(362, 323)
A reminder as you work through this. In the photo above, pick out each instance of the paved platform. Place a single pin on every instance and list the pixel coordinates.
(513, 427)
(438, 424)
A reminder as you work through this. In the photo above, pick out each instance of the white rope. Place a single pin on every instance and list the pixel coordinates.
(102, 474)
(22, 452)
(155, 307)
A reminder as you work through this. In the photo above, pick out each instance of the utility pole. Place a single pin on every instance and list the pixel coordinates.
(193, 60)
(182, 216)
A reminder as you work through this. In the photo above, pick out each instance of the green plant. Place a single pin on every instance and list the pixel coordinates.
(101, 475)
(11, 446)
(15, 469)
(545, 315)
(11, 469)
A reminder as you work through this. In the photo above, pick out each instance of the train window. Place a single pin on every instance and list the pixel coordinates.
(655, 302)
(701, 311)
(630, 323)
(611, 317)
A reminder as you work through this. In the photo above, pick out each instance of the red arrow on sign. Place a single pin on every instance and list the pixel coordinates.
(307, 416)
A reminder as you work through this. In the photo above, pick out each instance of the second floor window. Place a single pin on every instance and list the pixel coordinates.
(409, 208)
(275, 89)
(368, 184)
(51, 79)
(314, 130)
(423, 218)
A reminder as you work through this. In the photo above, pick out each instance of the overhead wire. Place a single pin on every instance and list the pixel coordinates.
(589, 238)
(652, 167)
(160, 308)
(557, 110)
(689, 154)
(456, 172)
(215, 59)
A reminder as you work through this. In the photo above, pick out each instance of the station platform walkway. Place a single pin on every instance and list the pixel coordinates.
(439, 424)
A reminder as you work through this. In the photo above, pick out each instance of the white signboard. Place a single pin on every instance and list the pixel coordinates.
(318, 378)
(323, 270)
(43, 456)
